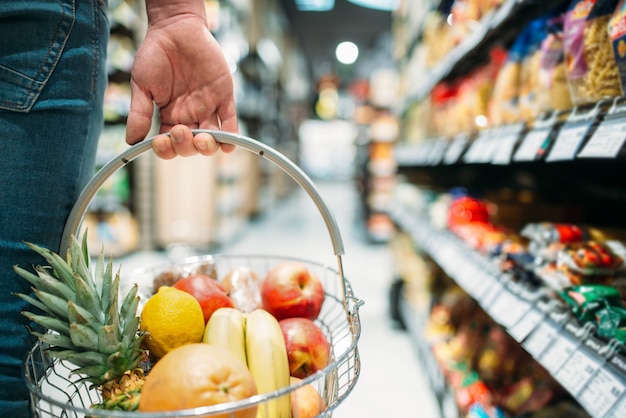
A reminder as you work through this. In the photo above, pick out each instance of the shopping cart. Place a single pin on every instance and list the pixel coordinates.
(56, 392)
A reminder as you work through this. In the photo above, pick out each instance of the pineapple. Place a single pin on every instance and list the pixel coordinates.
(88, 327)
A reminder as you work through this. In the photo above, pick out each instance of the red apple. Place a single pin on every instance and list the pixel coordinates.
(308, 348)
(306, 402)
(291, 290)
(208, 291)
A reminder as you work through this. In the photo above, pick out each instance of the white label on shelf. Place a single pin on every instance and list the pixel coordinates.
(577, 371)
(601, 393)
(490, 296)
(532, 142)
(606, 141)
(481, 285)
(504, 150)
(456, 148)
(503, 309)
(558, 353)
(567, 143)
(619, 411)
(517, 312)
(526, 324)
(540, 339)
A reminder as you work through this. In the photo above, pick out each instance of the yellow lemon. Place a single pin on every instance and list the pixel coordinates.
(171, 318)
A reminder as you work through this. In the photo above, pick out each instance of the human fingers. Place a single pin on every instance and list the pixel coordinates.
(178, 143)
(139, 116)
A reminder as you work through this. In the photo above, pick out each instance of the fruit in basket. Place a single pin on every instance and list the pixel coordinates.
(306, 401)
(208, 291)
(243, 286)
(290, 290)
(197, 375)
(91, 328)
(226, 329)
(308, 349)
(171, 318)
(268, 362)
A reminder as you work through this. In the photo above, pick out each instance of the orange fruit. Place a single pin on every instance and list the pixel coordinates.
(171, 318)
(197, 375)
(306, 401)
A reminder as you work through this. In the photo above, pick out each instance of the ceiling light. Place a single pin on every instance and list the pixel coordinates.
(386, 5)
(347, 52)
(315, 5)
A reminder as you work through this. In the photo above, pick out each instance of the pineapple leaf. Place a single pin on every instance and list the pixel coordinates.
(53, 285)
(57, 305)
(99, 275)
(108, 339)
(84, 337)
(85, 249)
(88, 299)
(55, 340)
(60, 267)
(54, 324)
(81, 316)
(79, 263)
(105, 286)
(81, 359)
(35, 303)
(94, 372)
(44, 281)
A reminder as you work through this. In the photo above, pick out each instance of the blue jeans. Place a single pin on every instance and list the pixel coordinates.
(52, 82)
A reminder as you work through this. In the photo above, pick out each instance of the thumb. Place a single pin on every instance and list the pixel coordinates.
(139, 116)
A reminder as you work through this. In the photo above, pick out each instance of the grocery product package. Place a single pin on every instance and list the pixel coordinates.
(590, 66)
(530, 66)
(617, 35)
(553, 91)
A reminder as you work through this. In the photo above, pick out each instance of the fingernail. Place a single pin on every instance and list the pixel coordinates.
(202, 145)
(178, 137)
(161, 145)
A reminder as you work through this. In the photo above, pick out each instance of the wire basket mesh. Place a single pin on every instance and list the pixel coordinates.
(56, 392)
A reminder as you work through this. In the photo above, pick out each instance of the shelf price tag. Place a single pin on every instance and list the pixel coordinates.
(491, 295)
(506, 143)
(568, 142)
(531, 145)
(619, 411)
(601, 393)
(558, 353)
(455, 149)
(539, 339)
(607, 140)
(479, 147)
(526, 324)
(577, 371)
(504, 309)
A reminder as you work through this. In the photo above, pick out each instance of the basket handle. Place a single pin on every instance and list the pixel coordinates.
(79, 209)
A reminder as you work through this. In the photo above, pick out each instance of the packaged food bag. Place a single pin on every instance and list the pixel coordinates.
(617, 35)
(553, 91)
(591, 68)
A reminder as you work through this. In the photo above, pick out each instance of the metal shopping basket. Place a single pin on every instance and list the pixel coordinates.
(55, 392)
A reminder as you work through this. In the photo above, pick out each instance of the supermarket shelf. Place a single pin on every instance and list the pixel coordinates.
(498, 28)
(597, 132)
(415, 325)
(592, 370)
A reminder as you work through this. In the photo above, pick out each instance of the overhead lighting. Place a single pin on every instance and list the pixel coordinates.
(315, 5)
(386, 5)
(347, 52)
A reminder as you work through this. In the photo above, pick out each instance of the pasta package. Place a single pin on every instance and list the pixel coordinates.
(617, 35)
(590, 66)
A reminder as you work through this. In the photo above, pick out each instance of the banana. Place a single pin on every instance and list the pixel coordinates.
(268, 362)
(226, 328)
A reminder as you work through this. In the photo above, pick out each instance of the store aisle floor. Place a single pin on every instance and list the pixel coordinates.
(391, 384)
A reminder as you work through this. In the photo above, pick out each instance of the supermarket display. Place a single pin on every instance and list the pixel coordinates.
(511, 247)
(106, 351)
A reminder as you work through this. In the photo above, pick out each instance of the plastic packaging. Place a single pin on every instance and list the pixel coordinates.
(617, 35)
(591, 69)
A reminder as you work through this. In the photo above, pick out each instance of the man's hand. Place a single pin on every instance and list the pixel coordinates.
(180, 68)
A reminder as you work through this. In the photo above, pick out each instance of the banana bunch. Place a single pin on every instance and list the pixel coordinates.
(257, 340)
